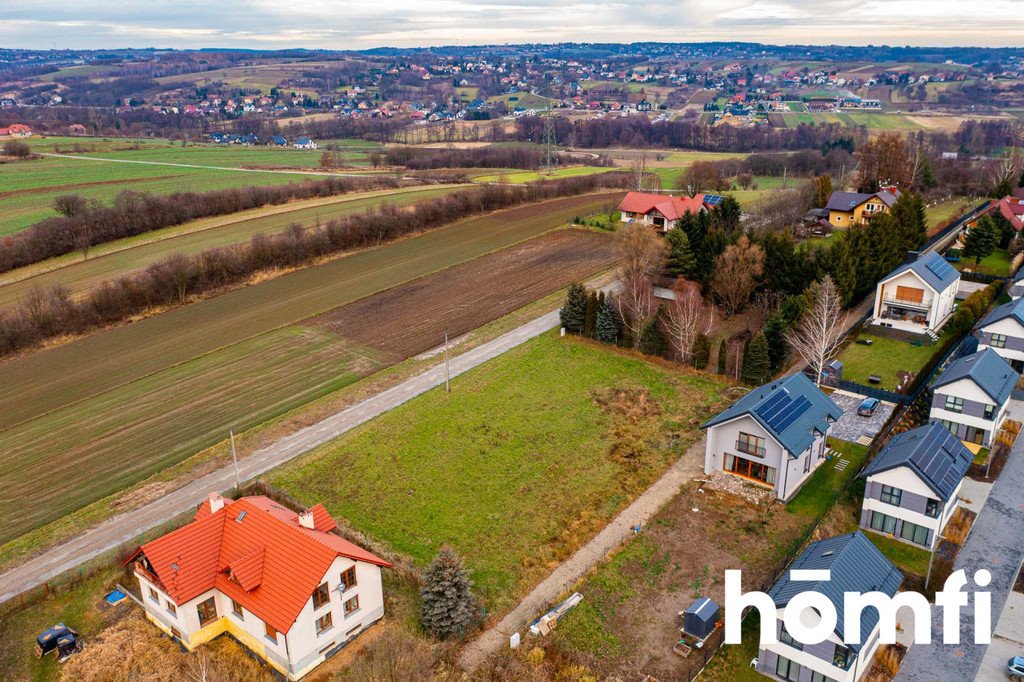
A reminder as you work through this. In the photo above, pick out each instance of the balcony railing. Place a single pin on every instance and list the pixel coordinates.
(907, 302)
(750, 449)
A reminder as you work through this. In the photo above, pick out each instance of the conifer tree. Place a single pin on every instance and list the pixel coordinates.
(756, 363)
(590, 320)
(722, 354)
(606, 325)
(981, 240)
(681, 260)
(574, 313)
(701, 351)
(448, 605)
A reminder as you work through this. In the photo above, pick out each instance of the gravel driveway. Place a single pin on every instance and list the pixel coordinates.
(851, 426)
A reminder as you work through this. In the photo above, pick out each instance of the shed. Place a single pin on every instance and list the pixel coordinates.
(700, 617)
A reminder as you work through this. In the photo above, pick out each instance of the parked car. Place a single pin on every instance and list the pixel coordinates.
(1015, 668)
(868, 407)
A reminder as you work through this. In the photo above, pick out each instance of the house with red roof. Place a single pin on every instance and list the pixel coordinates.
(280, 582)
(662, 211)
(1010, 207)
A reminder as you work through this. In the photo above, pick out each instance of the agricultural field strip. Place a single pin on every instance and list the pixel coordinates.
(42, 381)
(134, 253)
(297, 171)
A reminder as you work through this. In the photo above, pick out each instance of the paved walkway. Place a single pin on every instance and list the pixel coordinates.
(544, 595)
(122, 528)
(995, 543)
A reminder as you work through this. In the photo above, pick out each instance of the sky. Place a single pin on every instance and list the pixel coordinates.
(361, 24)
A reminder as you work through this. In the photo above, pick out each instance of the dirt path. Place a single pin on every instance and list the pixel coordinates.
(123, 528)
(620, 529)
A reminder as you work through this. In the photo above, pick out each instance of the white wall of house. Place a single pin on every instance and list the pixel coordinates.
(905, 479)
(858, 668)
(940, 304)
(968, 390)
(1010, 328)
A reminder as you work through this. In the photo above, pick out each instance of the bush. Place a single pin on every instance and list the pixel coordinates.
(18, 150)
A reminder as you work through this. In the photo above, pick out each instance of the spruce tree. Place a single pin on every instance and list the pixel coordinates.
(701, 351)
(448, 606)
(981, 240)
(652, 341)
(722, 354)
(591, 317)
(681, 260)
(574, 313)
(606, 325)
(756, 363)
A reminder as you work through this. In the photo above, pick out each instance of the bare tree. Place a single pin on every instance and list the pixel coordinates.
(641, 254)
(639, 178)
(737, 270)
(816, 337)
(782, 208)
(686, 316)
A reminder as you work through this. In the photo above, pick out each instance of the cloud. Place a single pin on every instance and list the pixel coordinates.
(356, 24)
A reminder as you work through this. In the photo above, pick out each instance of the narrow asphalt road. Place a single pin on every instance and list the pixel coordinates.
(122, 528)
(686, 468)
(996, 543)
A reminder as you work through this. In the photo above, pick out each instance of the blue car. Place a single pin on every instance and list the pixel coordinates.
(868, 407)
(1015, 668)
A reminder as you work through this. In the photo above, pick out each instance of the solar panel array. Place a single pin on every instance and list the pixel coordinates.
(781, 410)
(939, 267)
(935, 461)
(712, 199)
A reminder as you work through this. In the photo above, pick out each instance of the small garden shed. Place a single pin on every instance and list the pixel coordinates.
(700, 617)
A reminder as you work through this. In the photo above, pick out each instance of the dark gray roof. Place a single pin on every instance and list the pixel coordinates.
(932, 452)
(932, 268)
(985, 368)
(1014, 309)
(847, 201)
(856, 565)
(790, 409)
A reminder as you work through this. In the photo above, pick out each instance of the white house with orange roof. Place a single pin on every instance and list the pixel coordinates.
(660, 210)
(281, 583)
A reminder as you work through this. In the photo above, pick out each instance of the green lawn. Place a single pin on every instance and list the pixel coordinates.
(521, 463)
(885, 357)
(819, 493)
(996, 263)
(907, 558)
(521, 176)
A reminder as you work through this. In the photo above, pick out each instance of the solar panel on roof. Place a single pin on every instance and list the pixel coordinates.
(773, 406)
(712, 199)
(790, 414)
(939, 267)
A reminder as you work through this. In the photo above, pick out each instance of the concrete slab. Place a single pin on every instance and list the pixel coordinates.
(973, 494)
(1007, 641)
(851, 426)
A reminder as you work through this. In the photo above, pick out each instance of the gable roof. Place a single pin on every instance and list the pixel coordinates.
(932, 452)
(254, 551)
(671, 207)
(932, 268)
(791, 409)
(1014, 309)
(856, 565)
(987, 369)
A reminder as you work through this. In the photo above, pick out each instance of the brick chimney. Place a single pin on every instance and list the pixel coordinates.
(306, 520)
(216, 503)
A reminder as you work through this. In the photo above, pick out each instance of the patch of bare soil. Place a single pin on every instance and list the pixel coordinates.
(414, 317)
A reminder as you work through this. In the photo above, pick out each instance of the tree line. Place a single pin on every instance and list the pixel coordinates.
(45, 314)
(83, 224)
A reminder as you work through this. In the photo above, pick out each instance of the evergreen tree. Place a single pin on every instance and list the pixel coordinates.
(839, 262)
(726, 215)
(722, 354)
(606, 325)
(911, 220)
(448, 606)
(714, 244)
(756, 363)
(695, 228)
(822, 190)
(701, 351)
(981, 240)
(590, 320)
(681, 261)
(574, 313)
(776, 328)
(786, 268)
(652, 341)
(927, 174)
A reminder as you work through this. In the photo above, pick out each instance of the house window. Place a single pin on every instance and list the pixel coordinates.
(270, 631)
(207, 611)
(352, 605)
(954, 404)
(323, 623)
(883, 523)
(842, 658)
(818, 677)
(974, 435)
(787, 638)
(932, 509)
(951, 426)
(807, 463)
(990, 412)
(172, 609)
(321, 596)
(787, 669)
(236, 609)
(154, 596)
(748, 469)
(891, 495)
(348, 579)
(750, 444)
(998, 341)
(914, 533)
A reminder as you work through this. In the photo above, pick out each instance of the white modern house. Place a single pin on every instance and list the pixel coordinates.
(1002, 330)
(918, 296)
(913, 485)
(774, 435)
(971, 395)
(281, 583)
(854, 565)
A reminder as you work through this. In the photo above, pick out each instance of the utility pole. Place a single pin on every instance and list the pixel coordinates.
(234, 458)
(447, 368)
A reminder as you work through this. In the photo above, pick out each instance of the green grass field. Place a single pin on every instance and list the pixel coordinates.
(996, 263)
(871, 120)
(884, 358)
(116, 401)
(514, 468)
(517, 177)
(526, 100)
(127, 255)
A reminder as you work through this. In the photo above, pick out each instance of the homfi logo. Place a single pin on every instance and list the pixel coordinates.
(810, 617)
